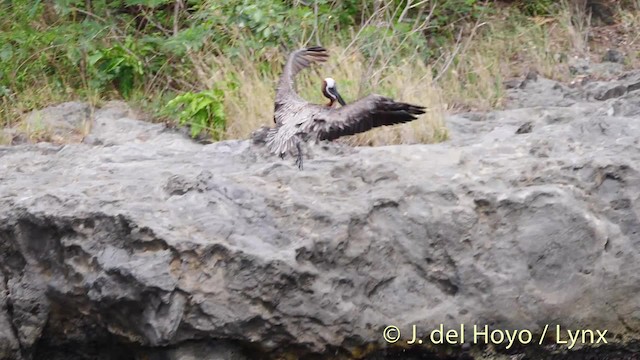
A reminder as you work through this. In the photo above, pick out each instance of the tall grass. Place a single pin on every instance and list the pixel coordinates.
(492, 52)
(468, 75)
(393, 51)
(250, 105)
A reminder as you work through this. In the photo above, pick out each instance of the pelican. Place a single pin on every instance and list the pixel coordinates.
(298, 120)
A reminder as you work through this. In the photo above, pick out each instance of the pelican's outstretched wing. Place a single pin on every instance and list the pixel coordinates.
(362, 115)
(297, 61)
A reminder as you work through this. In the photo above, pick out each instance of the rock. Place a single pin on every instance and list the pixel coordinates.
(61, 122)
(542, 92)
(259, 136)
(9, 345)
(152, 246)
(198, 351)
(512, 83)
(604, 90)
(525, 128)
(115, 110)
(532, 75)
(111, 126)
(546, 92)
(602, 11)
(613, 56)
(613, 92)
(516, 83)
(633, 87)
(12, 136)
(605, 70)
(579, 66)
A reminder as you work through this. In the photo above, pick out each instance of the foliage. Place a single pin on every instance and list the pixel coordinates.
(155, 50)
(118, 64)
(448, 13)
(538, 7)
(200, 111)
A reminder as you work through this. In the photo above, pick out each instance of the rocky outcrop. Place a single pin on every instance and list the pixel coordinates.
(141, 244)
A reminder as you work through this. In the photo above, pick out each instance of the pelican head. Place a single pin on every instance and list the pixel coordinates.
(330, 91)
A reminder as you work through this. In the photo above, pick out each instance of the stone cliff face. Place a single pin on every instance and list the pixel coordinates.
(140, 244)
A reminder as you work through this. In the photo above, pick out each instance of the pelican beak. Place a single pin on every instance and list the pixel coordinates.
(339, 98)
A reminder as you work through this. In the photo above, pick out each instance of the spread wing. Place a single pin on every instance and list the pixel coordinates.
(297, 61)
(362, 115)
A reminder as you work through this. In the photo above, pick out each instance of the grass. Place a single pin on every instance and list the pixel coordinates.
(500, 47)
(468, 76)
(251, 104)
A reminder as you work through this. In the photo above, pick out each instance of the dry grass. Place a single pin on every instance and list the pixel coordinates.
(5, 139)
(501, 47)
(32, 128)
(509, 48)
(629, 23)
(469, 75)
(251, 104)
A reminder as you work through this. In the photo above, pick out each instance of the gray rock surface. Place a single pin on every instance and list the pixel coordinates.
(141, 244)
(199, 351)
(61, 121)
(613, 55)
(605, 69)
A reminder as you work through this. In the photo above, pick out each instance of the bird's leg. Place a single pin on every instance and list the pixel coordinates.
(299, 157)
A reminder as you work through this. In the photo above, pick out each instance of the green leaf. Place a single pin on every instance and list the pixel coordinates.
(95, 57)
(202, 111)
(6, 52)
(202, 104)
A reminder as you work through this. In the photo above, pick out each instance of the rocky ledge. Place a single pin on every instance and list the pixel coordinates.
(141, 244)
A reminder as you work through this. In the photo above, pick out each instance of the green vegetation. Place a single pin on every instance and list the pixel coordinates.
(202, 111)
(212, 64)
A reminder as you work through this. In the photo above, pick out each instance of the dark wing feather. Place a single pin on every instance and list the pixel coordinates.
(363, 115)
(299, 60)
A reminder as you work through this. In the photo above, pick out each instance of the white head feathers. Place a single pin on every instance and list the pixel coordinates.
(330, 82)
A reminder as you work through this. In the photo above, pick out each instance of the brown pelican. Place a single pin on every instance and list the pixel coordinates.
(297, 119)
